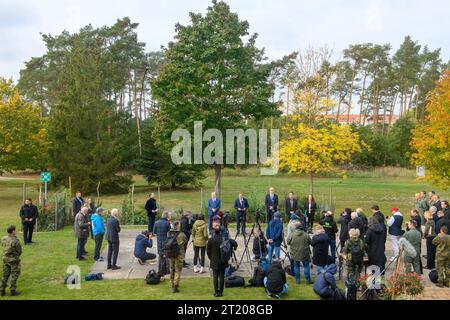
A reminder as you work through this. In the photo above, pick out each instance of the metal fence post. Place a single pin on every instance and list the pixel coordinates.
(132, 202)
(56, 212)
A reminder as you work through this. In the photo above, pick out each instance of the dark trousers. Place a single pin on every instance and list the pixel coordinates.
(163, 267)
(310, 216)
(241, 219)
(98, 245)
(113, 252)
(199, 251)
(147, 256)
(80, 247)
(151, 222)
(219, 280)
(27, 231)
(431, 253)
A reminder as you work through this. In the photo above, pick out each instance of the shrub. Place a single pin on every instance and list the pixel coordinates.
(403, 285)
(57, 210)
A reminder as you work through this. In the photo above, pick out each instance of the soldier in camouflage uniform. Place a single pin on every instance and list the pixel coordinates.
(11, 261)
(442, 243)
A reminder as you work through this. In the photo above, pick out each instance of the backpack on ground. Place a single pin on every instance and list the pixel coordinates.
(93, 276)
(225, 250)
(172, 248)
(234, 281)
(257, 280)
(153, 277)
(357, 253)
(433, 276)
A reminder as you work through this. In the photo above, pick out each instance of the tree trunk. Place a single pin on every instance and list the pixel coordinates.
(362, 98)
(311, 186)
(136, 114)
(351, 96)
(218, 179)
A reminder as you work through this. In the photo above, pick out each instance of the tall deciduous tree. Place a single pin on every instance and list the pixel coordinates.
(213, 72)
(23, 134)
(431, 141)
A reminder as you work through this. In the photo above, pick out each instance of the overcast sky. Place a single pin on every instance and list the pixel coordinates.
(283, 25)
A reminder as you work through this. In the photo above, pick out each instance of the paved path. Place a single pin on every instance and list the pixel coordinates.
(131, 269)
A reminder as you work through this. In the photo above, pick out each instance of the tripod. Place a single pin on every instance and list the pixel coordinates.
(246, 252)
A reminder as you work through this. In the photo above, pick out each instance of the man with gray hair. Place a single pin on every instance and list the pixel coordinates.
(112, 236)
(81, 227)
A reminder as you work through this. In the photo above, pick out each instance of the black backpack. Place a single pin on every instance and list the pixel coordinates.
(433, 276)
(357, 254)
(258, 277)
(234, 281)
(171, 248)
(225, 250)
(153, 277)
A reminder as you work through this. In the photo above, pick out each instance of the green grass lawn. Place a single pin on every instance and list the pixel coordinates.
(44, 264)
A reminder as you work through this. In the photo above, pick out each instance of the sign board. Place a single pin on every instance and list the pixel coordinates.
(46, 177)
(420, 171)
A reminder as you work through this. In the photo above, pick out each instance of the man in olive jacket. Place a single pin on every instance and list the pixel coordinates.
(442, 243)
(81, 226)
(299, 242)
(414, 237)
(11, 261)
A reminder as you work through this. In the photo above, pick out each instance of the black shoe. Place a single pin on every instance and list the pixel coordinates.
(175, 289)
(115, 268)
(81, 259)
(2, 293)
(220, 294)
(108, 267)
(14, 293)
(216, 295)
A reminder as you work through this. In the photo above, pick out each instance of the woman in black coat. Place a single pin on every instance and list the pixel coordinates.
(375, 242)
(344, 220)
(309, 209)
(320, 243)
(215, 263)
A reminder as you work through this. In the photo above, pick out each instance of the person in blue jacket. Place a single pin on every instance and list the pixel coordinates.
(274, 235)
(142, 242)
(325, 284)
(162, 227)
(98, 231)
(213, 209)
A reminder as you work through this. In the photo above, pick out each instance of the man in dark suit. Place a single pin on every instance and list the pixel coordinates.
(241, 206)
(28, 214)
(77, 203)
(271, 204)
(291, 206)
(112, 236)
(152, 210)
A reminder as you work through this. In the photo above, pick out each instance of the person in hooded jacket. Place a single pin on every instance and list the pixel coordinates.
(375, 243)
(142, 242)
(320, 243)
(299, 242)
(330, 227)
(200, 237)
(274, 235)
(356, 223)
(275, 280)
(325, 284)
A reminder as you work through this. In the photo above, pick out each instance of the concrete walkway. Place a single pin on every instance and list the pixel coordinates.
(131, 269)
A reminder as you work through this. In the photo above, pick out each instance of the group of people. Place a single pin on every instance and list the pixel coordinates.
(361, 239)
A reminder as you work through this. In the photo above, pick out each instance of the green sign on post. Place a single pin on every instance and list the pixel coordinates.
(46, 177)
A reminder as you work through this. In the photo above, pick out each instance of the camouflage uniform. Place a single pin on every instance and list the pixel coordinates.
(415, 238)
(353, 270)
(11, 261)
(442, 243)
(176, 264)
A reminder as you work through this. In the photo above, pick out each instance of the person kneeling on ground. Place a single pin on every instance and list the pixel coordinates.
(143, 241)
(275, 280)
(12, 250)
(442, 243)
(325, 284)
